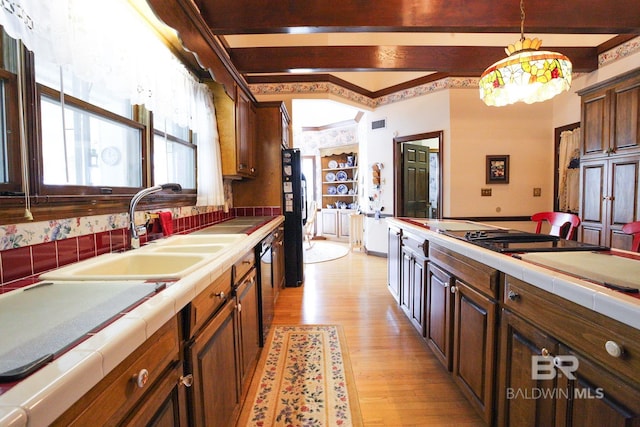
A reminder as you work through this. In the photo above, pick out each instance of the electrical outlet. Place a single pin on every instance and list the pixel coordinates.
(485, 192)
(537, 192)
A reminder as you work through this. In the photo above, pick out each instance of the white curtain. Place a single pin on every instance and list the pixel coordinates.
(108, 43)
(569, 171)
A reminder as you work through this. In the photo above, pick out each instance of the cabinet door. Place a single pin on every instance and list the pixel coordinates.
(474, 347)
(405, 280)
(594, 181)
(277, 259)
(165, 405)
(626, 116)
(245, 134)
(517, 384)
(595, 123)
(622, 199)
(418, 291)
(213, 360)
(343, 223)
(393, 263)
(439, 314)
(330, 222)
(594, 397)
(249, 326)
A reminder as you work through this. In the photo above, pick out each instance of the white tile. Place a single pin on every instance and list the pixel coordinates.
(155, 312)
(116, 341)
(574, 291)
(46, 394)
(11, 416)
(620, 307)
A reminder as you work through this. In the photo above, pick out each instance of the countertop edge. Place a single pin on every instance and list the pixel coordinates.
(599, 299)
(35, 400)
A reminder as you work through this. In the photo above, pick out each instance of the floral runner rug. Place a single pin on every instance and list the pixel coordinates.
(303, 378)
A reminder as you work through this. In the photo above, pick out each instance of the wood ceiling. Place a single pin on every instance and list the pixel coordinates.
(271, 41)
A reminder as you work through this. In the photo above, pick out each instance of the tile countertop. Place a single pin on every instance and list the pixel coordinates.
(614, 304)
(43, 396)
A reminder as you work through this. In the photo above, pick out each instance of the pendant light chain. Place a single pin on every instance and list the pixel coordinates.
(521, 20)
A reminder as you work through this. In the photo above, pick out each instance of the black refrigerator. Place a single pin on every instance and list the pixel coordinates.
(295, 214)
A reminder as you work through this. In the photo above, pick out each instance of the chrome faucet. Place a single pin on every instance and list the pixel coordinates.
(136, 230)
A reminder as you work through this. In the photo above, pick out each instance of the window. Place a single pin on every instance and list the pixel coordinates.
(174, 154)
(10, 165)
(94, 149)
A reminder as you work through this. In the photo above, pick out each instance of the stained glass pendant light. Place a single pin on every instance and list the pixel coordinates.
(526, 75)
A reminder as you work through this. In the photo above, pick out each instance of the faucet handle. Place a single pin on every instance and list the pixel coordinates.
(141, 229)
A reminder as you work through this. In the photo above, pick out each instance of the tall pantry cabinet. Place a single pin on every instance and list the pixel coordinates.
(610, 160)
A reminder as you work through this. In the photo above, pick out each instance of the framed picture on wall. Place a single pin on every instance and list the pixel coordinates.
(498, 169)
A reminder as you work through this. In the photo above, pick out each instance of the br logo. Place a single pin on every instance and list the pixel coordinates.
(547, 368)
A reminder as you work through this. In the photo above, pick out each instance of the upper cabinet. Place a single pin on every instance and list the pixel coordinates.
(611, 117)
(237, 132)
(272, 133)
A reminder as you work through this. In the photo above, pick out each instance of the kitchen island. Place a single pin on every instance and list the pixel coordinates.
(141, 353)
(525, 339)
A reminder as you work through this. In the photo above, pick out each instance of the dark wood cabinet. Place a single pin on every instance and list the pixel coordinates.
(474, 342)
(439, 332)
(236, 120)
(146, 387)
(595, 397)
(520, 342)
(413, 274)
(610, 196)
(610, 117)
(610, 160)
(213, 358)
(272, 129)
(393, 265)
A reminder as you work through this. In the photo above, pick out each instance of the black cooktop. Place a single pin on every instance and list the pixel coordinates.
(514, 241)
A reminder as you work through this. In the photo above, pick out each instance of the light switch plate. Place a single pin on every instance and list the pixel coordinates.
(485, 192)
(537, 192)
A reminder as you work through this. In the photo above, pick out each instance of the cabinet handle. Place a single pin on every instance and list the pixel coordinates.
(186, 380)
(142, 378)
(544, 352)
(253, 170)
(220, 295)
(513, 296)
(614, 349)
(246, 261)
(453, 289)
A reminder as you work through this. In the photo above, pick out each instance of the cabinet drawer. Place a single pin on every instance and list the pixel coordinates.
(479, 276)
(582, 329)
(419, 246)
(113, 397)
(208, 302)
(243, 265)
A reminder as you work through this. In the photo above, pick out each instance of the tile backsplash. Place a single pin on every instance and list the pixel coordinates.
(29, 249)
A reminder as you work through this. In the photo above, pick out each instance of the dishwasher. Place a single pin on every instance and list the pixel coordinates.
(265, 283)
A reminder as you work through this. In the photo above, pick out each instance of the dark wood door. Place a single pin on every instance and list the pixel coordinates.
(474, 342)
(594, 181)
(440, 314)
(595, 123)
(415, 180)
(595, 397)
(520, 341)
(213, 359)
(622, 203)
(626, 116)
(394, 258)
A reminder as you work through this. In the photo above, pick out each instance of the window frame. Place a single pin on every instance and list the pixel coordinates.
(174, 139)
(13, 187)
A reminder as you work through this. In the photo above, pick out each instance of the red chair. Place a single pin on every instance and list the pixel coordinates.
(558, 221)
(633, 228)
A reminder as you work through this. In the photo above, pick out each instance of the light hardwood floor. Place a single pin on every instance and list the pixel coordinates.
(399, 381)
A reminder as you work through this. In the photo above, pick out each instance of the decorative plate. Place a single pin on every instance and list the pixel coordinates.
(330, 177)
(342, 176)
(333, 164)
(332, 189)
(343, 189)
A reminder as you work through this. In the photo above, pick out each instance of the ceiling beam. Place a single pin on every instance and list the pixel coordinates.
(455, 60)
(478, 16)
